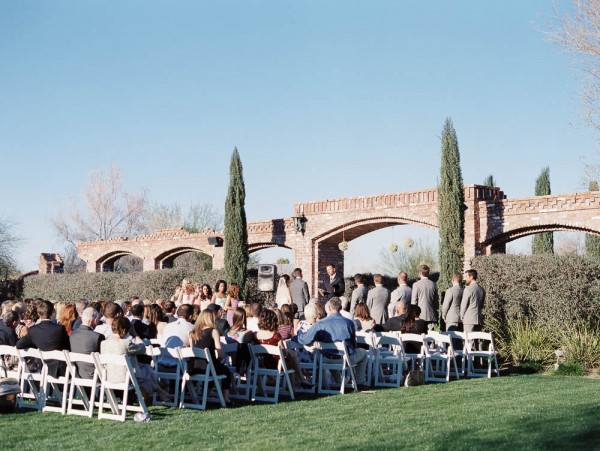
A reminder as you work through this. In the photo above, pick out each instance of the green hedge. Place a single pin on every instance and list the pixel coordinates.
(111, 286)
(556, 291)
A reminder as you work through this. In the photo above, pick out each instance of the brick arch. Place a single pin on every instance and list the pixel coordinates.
(255, 247)
(165, 259)
(515, 234)
(106, 262)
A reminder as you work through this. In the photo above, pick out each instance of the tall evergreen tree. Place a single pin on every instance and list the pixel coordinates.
(592, 242)
(489, 181)
(451, 216)
(236, 232)
(543, 243)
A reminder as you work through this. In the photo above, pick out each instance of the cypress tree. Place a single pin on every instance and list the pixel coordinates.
(489, 181)
(236, 232)
(543, 243)
(592, 242)
(451, 216)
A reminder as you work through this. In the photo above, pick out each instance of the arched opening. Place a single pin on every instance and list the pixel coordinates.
(187, 257)
(119, 261)
(370, 247)
(273, 255)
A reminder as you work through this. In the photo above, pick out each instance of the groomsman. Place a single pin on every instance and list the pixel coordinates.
(451, 304)
(472, 303)
(378, 300)
(425, 295)
(333, 284)
(402, 293)
(299, 292)
(359, 295)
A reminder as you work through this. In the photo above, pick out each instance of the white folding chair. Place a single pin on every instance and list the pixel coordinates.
(309, 368)
(31, 381)
(366, 339)
(241, 383)
(439, 356)
(334, 361)
(412, 342)
(389, 360)
(169, 376)
(55, 388)
(198, 383)
(484, 351)
(116, 392)
(261, 373)
(82, 392)
(459, 343)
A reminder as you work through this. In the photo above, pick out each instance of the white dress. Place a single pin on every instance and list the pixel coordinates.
(283, 295)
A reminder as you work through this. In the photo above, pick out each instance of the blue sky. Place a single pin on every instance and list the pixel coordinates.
(324, 99)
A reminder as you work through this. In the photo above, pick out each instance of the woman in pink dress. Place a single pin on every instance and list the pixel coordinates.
(232, 301)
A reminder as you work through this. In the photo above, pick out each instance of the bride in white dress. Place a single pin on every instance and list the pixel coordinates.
(283, 295)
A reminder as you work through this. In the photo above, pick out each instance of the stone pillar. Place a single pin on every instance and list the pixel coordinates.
(148, 264)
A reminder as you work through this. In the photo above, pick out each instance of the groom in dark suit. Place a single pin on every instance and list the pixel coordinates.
(47, 336)
(332, 284)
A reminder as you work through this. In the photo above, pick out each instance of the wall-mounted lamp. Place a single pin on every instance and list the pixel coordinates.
(300, 223)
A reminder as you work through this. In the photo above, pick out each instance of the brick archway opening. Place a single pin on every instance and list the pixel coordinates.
(106, 263)
(255, 247)
(166, 260)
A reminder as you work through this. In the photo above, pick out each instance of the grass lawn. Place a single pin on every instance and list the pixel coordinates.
(518, 412)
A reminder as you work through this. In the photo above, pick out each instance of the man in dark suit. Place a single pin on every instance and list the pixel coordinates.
(137, 324)
(451, 304)
(85, 341)
(10, 320)
(395, 322)
(299, 292)
(333, 284)
(425, 295)
(47, 336)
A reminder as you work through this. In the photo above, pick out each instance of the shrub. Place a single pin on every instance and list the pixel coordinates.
(527, 341)
(581, 345)
(569, 369)
(531, 367)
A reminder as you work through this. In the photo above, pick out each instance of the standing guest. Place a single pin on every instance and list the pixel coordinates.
(362, 318)
(206, 336)
(451, 304)
(299, 292)
(220, 296)
(337, 328)
(205, 296)
(232, 301)
(283, 295)
(111, 311)
(333, 283)
(252, 321)
(402, 293)
(8, 324)
(425, 295)
(378, 300)
(359, 294)
(85, 341)
(186, 294)
(47, 336)
(472, 303)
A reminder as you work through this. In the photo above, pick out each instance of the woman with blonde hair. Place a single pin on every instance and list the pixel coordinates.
(232, 301)
(186, 294)
(206, 336)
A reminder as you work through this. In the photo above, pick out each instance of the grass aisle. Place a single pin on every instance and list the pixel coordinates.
(521, 412)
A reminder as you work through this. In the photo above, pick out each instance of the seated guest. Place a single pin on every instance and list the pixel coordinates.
(362, 317)
(284, 324)
(336, 328)
(8, 324)
(157, 319)
(238, 331)
(85, 341)
(221, 323)
(394, 323)
(252, 320)
(310, 318)
(177, 334)
(118, 344)
(206, 336)
(47, 336)
(67, 317)
(140, 329)
(412, 324)
(111, 311)
(80, 306)
(170, 311)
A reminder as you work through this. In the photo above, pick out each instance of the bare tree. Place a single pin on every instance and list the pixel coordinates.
(579, 32)
(9, 242)
(107, 210)
(198, 217)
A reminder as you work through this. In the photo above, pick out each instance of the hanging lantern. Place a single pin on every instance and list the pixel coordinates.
(408, 243)
(393, 248)
(343, 246)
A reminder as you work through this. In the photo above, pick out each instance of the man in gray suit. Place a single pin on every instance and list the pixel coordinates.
(378, 299)
(85, 341)
(425, 295)
(472, 303)
(451, 304)
(359, 294)
(299, 292)
(402, 293)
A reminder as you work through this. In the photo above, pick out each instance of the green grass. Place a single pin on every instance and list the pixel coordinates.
(518, 412)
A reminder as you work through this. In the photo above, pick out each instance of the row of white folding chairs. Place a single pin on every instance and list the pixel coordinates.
(69, 393)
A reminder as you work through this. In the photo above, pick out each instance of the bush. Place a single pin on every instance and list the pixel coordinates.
(531, 367)
(569, 369)
(111, 286)
(581, 345)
